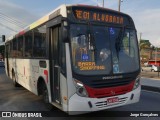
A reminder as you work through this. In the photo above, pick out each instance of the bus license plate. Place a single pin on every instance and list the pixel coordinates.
(112, 100)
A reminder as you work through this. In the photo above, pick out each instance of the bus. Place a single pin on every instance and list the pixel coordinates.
(80, 58)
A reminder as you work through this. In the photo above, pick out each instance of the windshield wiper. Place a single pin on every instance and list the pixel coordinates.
(91, 41)
(119, 40)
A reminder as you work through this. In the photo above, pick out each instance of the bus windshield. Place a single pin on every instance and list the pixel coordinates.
(103, 50)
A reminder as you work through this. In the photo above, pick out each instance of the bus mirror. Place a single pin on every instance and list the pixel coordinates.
(3, 38)
(65, 35)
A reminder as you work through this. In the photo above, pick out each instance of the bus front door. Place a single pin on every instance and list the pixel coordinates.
(54, 63)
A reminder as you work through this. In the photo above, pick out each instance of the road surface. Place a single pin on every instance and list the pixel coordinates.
(20, 99)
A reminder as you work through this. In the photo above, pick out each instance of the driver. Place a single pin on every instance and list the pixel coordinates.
(104, 54)
(82, 50)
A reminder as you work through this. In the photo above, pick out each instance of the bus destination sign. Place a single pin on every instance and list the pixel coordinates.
(98, 16)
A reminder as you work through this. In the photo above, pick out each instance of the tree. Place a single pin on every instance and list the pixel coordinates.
(146, 49)
(144, 45)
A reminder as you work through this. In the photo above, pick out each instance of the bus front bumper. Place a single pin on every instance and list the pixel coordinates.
(80, 105)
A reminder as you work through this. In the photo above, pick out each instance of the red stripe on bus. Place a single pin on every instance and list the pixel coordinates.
(24, 71)
(46, 74)
(110, 91)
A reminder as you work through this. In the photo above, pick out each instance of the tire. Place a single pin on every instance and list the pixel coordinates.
(14, 80)
(46, 98)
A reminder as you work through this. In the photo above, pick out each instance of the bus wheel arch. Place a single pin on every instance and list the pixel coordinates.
(42, 90)
(40, 85)
(14, 79)
(13, 74)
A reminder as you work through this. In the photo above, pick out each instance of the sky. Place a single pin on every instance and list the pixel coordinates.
(145, 13)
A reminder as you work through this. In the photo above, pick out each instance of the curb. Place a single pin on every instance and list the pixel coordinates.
(150, 88)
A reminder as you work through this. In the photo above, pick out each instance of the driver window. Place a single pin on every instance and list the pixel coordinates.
(132, 43)
(125, 43)
(80, 45)
(128, 43)
(80, 48)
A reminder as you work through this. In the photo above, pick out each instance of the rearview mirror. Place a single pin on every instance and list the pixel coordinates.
(65, 35)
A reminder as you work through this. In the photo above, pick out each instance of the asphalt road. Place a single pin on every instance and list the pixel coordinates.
(149, 74)
(20, 99)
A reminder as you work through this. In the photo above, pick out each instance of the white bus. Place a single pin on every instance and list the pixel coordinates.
(80, 58)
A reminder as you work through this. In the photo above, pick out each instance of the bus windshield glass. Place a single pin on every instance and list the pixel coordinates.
(103, 50)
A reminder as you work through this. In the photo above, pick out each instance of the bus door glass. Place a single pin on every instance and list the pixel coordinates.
(55, 65)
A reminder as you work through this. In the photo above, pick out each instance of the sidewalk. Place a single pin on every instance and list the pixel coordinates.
(150, 81)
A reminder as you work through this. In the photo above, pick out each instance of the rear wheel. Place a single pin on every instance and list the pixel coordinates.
(46, 98)
(14, 80)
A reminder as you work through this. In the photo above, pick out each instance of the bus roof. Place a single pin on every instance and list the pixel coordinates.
(42, 20)
(98, 7)
(61, 10)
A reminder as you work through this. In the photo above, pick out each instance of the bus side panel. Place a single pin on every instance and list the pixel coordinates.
(28, 72)
(63, 92)
(71, 86)
(11, 64)
(19, 69)
(33, 72)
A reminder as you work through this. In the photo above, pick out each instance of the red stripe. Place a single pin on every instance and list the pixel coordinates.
(24, 71)
(21, 32)
(111, 91)
(46, 74)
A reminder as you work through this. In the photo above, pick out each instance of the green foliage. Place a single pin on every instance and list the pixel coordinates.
(145, 44)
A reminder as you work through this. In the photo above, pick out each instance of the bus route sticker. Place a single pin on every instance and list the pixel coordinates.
(116, 68)
(85, 57)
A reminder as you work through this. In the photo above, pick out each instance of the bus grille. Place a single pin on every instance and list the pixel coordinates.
(110, 83)
(109, 91)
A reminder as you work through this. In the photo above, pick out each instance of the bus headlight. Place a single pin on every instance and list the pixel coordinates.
(80, 89)
(137, 83)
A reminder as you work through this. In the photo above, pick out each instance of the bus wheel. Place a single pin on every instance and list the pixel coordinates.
(46, 98)
(14, 80)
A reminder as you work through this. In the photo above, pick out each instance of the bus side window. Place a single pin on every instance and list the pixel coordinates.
(9, 49)
(20, 46)
(39, 45)
(28, 44)
(14, 50)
